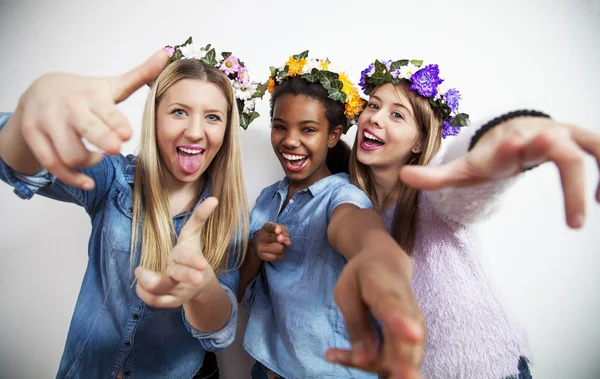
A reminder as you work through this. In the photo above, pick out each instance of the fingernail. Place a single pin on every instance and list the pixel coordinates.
(333, 356)
(578, 220)
(88, 185)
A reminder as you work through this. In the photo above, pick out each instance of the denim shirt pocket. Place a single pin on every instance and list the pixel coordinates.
(295, 255)
(117, 224)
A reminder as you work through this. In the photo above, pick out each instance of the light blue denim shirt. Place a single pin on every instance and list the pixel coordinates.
(293, 316)
(111, 327)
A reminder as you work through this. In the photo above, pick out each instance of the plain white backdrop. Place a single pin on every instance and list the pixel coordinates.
(500, 55)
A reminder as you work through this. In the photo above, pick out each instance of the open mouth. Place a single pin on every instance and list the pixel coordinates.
(294, 162)
(190, 158)
(370, 141)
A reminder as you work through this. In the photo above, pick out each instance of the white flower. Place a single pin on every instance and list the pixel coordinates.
(245, 93)
(192, 51)
(407, 71)
(249, 105)
(310, 64)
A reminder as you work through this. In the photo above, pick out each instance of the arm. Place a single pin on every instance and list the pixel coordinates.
(519, 142)
(249, 270)
(377, 281)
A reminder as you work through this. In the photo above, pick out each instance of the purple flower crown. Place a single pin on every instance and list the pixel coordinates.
(424, 80)
(246, 92)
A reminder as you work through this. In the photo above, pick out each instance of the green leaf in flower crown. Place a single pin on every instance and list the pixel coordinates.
(337, 95)
(260, 90)
(310, 77)
(209, 58)
(282, 74)
(273, 72)
(327, 77)
(461, 119)
(379, 66)
(303, 54)
(378, 78)
(398, 64)
(247, 118)
(207, 47)
(187, 42)
(177, 55)
(416, 62)
(225, 54)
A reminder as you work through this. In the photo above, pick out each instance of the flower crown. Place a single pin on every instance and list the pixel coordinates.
(338, 86)
(426, 81)
(246, 92)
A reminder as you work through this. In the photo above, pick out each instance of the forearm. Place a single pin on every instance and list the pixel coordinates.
(250, 268)
(361, 231)
(14, 151)
(210, 310)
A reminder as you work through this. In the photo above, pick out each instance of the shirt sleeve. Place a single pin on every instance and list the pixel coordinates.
(347, 194)
(47, 185)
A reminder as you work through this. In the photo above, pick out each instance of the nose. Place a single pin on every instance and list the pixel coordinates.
(376, 118)
(291, 139)
(195, 129)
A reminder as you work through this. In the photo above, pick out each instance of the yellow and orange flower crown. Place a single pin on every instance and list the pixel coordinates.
(339, 87)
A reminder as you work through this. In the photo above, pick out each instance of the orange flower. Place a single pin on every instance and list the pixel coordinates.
(271, 86)
(324, 64)
(295, 67)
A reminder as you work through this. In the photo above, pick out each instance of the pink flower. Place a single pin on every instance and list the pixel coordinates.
(169, 50)
(230, 65)
(243, 76)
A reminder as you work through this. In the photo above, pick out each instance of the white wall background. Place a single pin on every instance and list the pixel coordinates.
(501, 55)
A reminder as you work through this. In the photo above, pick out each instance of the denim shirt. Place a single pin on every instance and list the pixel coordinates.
(293, 316)
(111, 327)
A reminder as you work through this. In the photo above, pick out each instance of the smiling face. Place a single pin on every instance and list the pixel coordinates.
(191, 120)
(301, 138)
(388, 132)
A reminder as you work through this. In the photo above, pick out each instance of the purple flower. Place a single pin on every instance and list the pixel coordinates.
(426, 80)
(169, 50)
(449, 130)
(230, 65)
(396, 73)
(363, 76)
(452, 97)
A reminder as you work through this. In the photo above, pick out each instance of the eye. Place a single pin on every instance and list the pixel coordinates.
(278, 127)
(398, 115)
(373, 106)
(309, 130)
(179, 112)
(213, 117)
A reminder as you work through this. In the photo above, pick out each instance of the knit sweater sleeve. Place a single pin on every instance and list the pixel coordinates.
(465, 205)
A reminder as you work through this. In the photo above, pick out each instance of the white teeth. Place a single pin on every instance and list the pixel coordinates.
(372, 137)
(292, 157)
(190, 151)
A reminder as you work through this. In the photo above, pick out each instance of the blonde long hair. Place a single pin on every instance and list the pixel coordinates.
(228, 225)
(404, 227)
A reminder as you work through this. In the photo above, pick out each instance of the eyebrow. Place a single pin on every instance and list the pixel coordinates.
(397, 104)
(303, 122)
(212, 110)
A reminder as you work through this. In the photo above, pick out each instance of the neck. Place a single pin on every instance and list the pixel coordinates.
(385, 183)
(182, 195)
(296, 186)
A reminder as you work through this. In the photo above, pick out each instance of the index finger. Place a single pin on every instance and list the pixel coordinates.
(197, 220)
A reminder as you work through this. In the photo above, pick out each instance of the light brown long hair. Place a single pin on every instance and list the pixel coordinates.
(228, 224)
(404, 227)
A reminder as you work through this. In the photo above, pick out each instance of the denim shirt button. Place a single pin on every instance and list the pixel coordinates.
(136, 317)
(127, 373)
(127, 343)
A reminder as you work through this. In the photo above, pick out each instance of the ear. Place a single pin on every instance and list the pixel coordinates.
(334, 136)
(417, 148)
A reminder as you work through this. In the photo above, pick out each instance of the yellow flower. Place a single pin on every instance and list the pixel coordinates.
(324, 64)
(271, 86)
(295, 67)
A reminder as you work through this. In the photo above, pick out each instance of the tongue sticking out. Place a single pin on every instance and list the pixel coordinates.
(189, 163)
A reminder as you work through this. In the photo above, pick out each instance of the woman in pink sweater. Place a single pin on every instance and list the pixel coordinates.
(469, 332)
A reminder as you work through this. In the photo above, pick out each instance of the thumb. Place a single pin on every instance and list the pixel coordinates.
(432, 178)
(124, 85)
(195, 224)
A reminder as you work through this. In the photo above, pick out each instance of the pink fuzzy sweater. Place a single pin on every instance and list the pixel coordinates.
(470, 334)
